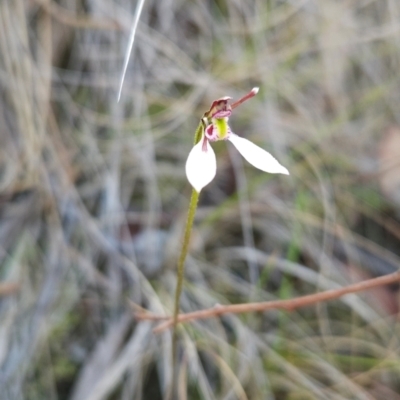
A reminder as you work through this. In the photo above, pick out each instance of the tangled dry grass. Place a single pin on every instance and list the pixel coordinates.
(94, 196)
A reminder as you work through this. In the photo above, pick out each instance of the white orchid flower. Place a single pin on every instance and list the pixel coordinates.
(201, 165)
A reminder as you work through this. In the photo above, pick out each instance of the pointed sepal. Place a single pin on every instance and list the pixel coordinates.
(257, 156)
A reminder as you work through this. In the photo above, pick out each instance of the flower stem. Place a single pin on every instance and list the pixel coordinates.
(185, 246)
(181, 263)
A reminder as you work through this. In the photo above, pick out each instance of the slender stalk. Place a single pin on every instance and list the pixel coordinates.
(186, 239)
(185, 247)
(181, 263)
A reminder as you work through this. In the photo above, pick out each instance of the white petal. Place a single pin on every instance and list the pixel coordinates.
(257, 156)
(201, 165)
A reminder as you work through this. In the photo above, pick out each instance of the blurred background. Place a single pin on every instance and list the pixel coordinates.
(93, 198)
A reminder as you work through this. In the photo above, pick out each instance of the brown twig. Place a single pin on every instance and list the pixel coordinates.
(142, 314)
(149, 317)
(289, 304)
(8, 288)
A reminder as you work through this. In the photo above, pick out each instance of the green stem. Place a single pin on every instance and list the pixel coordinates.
(184, 251)
(181, 262)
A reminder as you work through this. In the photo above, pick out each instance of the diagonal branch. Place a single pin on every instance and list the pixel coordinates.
(289, 304)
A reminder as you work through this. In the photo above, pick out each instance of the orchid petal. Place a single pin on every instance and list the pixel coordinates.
(201, 165)
(257, 156)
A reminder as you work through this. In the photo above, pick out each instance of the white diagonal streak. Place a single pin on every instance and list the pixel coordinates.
(138, 12)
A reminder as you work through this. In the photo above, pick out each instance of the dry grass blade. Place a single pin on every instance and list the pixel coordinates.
(138, 12)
